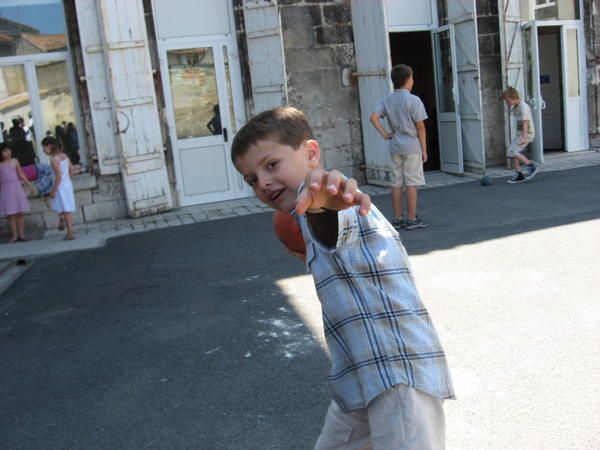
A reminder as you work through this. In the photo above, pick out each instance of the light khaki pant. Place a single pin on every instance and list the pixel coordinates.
(400, 418)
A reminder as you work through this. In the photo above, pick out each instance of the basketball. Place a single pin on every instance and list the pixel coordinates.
(485, 180)
(288, 232)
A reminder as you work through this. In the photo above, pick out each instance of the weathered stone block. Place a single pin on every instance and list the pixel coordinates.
(34, 220)
(337, 34)
(37, 205)
(84, 181)
(50, 219)
(104, 211)
(337, 14)
(300, 60)
(83, 198)
(109, 188)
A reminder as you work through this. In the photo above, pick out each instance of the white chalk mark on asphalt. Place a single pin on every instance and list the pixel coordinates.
(212, 350)
(248, 354)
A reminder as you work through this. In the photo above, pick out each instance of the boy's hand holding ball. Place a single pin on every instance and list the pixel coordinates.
(331, 190)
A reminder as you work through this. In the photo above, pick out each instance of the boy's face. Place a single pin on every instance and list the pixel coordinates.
(410, 83)
(511, 101)
(275, 171)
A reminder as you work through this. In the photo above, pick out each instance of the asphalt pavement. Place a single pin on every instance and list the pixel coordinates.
(208, 336)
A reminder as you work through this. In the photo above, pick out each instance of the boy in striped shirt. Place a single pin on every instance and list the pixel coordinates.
(388, 371)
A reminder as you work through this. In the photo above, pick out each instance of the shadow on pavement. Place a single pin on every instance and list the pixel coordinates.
(176, 338)
(469, 213)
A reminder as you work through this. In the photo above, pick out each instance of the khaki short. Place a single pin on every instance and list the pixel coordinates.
(400, 418)
(516, 147)
(408, 170)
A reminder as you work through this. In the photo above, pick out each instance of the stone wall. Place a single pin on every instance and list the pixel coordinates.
(591, 19)
(319, 57)
(491, 81)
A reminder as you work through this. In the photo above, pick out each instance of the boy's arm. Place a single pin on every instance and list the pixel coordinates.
(524, 130)
(422, 135)
(376, 121)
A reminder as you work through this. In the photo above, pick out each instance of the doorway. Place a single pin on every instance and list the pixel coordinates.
(551, 86)
(415, 49)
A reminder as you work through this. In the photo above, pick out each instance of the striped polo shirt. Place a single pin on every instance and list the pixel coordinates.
(378, 332)
(403, 110)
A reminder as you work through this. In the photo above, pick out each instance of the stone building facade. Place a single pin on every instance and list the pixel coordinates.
(304, 53)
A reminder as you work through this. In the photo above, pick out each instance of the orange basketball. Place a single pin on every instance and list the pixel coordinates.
(288, 232)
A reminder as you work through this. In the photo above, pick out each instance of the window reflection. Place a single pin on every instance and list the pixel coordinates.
(194, 91)
(57, 106)
(16, 120)
(556, 9)
(35, 26)
(445, 72)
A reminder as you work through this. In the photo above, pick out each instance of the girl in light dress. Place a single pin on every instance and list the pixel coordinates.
(62, 197)
(13, 201)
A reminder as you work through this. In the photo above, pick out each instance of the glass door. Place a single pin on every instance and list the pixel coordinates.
(58, 116)
(201, 109)
(446, 89)
(574, 89)
(36, 100)
(16, 117)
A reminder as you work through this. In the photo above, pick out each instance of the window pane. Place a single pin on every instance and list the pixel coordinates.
(35, 26)
(58, 112)
(557, 9)
(194, 91)
(445, 78)
(529, 62)
(15, 114)
(573, 63)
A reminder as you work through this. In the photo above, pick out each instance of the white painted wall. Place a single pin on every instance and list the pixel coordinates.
(182, 18)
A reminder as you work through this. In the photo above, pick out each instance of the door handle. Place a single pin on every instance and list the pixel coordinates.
(225, 137)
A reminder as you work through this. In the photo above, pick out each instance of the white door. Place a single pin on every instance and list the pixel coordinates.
(533, 92)
(199, 94)
(371, 43)
(574, 87)
(446, 90)
(463, 17)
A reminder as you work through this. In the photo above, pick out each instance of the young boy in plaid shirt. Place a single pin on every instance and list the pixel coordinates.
(389, 373)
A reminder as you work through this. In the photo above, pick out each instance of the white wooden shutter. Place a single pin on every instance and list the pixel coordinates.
(265, 54)
(511, 48)
(371, 46)
(97, 87)
(461, 13)
(133, 102)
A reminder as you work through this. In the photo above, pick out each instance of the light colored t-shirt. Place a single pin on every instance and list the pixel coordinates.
(522, 112)
(403, 110)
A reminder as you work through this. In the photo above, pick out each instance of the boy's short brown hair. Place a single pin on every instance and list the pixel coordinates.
(285, 125)
(400, 74)
(511, 93)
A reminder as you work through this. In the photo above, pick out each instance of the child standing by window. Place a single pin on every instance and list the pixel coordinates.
(62, 197)
(13, 201)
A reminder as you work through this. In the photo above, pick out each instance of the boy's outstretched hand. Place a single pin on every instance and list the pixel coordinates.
(331, 190)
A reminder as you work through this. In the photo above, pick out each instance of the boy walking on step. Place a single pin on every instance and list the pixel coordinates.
(521, 113)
